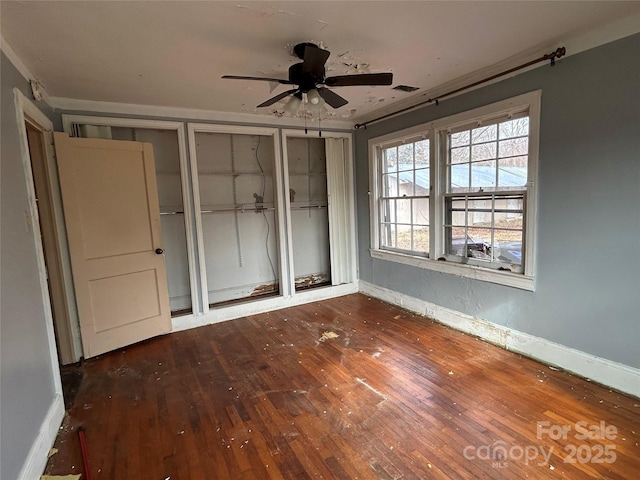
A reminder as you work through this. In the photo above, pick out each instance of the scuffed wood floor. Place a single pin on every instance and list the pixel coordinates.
(345, 388)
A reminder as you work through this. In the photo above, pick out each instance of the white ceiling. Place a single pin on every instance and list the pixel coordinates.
(174, 53)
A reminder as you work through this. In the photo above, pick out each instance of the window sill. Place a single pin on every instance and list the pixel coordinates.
(515, 280)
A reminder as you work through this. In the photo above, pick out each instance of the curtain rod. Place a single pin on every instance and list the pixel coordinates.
(557, 53)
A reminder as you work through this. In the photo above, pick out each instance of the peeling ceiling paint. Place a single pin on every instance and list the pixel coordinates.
(174, 53)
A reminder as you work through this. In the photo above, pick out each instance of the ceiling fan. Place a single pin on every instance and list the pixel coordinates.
(309, 76)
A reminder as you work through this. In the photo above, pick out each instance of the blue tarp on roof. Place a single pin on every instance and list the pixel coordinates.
(481, 176)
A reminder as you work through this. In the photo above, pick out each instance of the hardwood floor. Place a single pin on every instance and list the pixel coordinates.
(345, 388)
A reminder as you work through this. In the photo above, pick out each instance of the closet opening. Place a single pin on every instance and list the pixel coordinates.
(308, 202)
(236, 185)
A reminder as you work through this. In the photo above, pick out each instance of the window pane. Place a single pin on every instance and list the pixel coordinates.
(479, 212)
(390, 159)
(387, 235)
(514, 147)
(508, 246)
(421, 239)
(422, 182)
(479, 243)
(460, 139)
(514, 128)
(420, 211)
(484, 134)
(459, 178)
(405, 157)
(387, 210)
(404, 237)
(403, 210)
(484, 151)
(459, 155)
(510, 174)
(422, 153)
(455, 240)
(483, 175)
(389, 186)
(456, 213)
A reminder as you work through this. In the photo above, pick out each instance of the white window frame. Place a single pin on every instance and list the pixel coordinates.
(435, 131)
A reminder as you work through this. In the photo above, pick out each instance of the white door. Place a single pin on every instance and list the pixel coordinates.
(112, 217)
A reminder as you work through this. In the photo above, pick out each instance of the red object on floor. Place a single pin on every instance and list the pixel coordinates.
(85, 454)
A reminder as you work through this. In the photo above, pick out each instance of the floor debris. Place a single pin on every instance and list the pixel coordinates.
(328, 335)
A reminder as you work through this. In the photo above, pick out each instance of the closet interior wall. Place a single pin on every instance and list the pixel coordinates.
(307, 170)
(236, 187)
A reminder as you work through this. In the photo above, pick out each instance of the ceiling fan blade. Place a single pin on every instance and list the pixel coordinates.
(280, 96)
(360, 79)
(332, 98)
(314, 60)
(264, 79)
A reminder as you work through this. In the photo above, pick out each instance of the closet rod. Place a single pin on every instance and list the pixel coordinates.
(307, 207)
(240, 210)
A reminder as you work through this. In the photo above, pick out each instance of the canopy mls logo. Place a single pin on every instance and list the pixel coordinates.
(500, 454)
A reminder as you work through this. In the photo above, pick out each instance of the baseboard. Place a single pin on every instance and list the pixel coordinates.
(255, 307)
(36, 460)
(606, 372)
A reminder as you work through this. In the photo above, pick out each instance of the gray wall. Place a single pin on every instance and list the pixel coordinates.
(26, 388)
(588, 270)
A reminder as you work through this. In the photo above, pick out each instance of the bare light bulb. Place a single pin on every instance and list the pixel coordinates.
(293, 105)
(316, 108)
(313, 96)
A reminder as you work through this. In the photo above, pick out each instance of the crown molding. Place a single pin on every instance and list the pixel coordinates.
(15, 60)
(78, 105)
(21, 67)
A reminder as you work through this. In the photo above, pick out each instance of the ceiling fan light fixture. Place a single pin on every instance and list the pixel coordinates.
(293, 105)
(313, 97)
(316, 108)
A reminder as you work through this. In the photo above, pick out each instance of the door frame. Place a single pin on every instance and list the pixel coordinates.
(194, 128)
(347, 237)
(189, 224)
(26, 110)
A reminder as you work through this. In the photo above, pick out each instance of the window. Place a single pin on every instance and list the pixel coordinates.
(458, 194)
(404, 201)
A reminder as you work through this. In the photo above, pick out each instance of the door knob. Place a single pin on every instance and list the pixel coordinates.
(159, 251)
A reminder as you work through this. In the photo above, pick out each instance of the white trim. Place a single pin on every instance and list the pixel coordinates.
(531, 102)
(178, 127)
(290, 284)
(612, 374)
(515, 280)
(623, 27)
(194, 128)
(37, 457)
(514, 104)
(231, 312)
(15, 60)
(348, 237)
(24, 106)
(187, 113)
